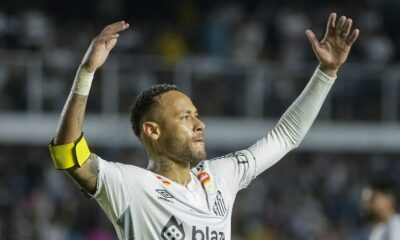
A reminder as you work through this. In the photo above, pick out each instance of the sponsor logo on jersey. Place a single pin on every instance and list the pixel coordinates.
(164, 195)
(219, 206)
(207, 183)
(164, 181)
(173, 230)
(204, 178)
(206, 234)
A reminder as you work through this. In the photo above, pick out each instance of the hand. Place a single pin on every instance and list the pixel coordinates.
(333, 49)
(101, 46)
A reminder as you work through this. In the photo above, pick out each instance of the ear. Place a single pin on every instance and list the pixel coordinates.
(151, 130)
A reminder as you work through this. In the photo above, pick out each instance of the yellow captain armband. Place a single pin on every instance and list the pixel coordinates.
(68, 155)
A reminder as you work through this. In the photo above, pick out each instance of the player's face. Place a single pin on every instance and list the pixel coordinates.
(182, 132)
(375, 203)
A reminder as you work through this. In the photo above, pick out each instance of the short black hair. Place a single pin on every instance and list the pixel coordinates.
(144, 102)
(385, 186)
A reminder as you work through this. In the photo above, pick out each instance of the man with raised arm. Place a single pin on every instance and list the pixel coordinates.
(170, 200)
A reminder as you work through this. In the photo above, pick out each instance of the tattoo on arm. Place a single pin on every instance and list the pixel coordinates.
(86, 175)
(81, 113)
(94, 165)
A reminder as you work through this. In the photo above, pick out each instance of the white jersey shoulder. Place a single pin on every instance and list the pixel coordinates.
(144, 205)
(389, 230)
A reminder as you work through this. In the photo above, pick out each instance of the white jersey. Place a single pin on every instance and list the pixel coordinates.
(389, 230)
(144, 205)
(141, 203)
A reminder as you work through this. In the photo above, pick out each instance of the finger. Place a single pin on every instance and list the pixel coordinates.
(330, 26)
(353, 37)
(331, 22)
(119, 27)
(110, 44)
(115, 27)
(347, 27)
(313, 40)
(106, 38)
(340, 24)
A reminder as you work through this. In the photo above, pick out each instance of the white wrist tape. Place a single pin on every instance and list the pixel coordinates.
(83, 82)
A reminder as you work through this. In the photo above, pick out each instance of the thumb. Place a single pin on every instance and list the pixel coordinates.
(313, 40)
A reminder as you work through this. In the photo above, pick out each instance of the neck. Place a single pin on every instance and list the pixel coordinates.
(387, 215)
(176, 171)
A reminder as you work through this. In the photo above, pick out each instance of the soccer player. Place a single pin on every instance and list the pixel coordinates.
(169, 199)
(380, 201)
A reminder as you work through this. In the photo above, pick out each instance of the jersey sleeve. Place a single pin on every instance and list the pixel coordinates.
(237, 169)
(112, 193)
(294, 124)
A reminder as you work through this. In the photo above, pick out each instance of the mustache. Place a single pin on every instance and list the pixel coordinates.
(199, 137)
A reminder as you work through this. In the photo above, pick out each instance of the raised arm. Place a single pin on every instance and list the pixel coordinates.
(291, 129)
(71, 120)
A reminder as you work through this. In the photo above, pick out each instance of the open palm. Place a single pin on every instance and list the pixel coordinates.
(333, 49)
(101, 46)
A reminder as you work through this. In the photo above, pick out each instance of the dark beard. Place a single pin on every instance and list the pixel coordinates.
(184, 151)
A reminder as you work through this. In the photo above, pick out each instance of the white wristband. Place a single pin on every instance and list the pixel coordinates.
(83, 82)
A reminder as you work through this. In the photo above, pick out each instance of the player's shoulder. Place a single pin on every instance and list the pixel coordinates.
(124, 167)
(234, 158)
(393, 225)
(396, 221)
(237, 156)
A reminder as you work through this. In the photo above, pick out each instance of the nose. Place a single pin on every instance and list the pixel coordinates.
(199, 125)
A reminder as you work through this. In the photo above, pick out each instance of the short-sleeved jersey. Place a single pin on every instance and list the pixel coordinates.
(144, 205)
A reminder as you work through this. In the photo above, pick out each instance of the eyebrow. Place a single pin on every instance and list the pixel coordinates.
(189, 112)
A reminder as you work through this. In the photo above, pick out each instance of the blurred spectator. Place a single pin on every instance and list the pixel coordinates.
(248, 42)
(381, 199)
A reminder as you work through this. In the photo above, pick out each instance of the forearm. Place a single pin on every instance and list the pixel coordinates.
(294, 124)
(71, 120)
(298, 118)
(81, 164)
(70, 129)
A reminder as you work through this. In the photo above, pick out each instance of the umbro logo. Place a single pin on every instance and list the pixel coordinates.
(164, 195)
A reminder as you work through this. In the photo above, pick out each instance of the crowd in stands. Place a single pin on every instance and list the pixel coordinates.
(244, 32)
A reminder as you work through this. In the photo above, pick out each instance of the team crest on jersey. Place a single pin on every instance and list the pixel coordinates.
(219, 206)
(164, 181)
(173, 230)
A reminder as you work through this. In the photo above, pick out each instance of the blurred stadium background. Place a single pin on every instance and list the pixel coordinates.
(243, 63)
